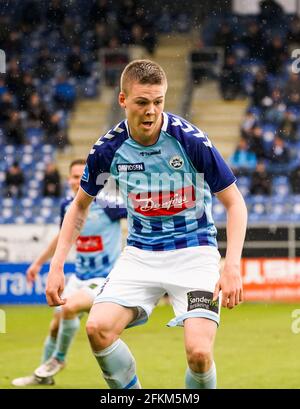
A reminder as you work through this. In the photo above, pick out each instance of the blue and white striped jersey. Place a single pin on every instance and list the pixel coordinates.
(100, 240)
(167, 187)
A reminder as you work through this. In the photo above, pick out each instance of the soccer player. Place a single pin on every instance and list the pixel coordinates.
(167, 170)
(97, 249)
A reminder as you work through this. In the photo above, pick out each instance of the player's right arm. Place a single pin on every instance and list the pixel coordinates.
(73, 222)
(34, 268)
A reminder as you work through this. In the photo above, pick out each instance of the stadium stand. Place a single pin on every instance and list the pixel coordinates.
(260, 131)
(56, 96)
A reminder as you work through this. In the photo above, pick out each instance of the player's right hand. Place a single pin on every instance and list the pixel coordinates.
(55, 287)
(32, 272)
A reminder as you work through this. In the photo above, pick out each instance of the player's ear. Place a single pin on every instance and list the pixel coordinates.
(122, 99)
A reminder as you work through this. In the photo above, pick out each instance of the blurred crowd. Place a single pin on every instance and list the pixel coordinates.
(53, 57)
(258, 63)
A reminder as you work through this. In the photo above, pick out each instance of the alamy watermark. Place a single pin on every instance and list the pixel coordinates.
(2, 62)
(295, 327)
(156, 194)
(2, 322)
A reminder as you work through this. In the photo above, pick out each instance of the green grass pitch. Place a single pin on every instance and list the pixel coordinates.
(255, 348)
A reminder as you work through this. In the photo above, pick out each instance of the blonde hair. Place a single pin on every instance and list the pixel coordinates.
(143, 72)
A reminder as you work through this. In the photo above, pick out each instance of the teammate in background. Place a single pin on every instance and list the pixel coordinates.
(97, 249)
(167, 170)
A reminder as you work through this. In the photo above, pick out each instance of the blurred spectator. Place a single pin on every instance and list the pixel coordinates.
(13, 45)
(99, 12)
(100, 39)
(30, 15)
(295, 180)
(243, 161)
(271, 13)
(293, 35)
(275, 55)
(247, 126)
(14, 180)
(287, 129)
(126, 17)
(64, 93)
(280, 154)
(27, 88)
(14, 77)
(71, 31)
(292, 89)
(254, 41)
(260, 181)
(225, 38)
(52, 186)
(261, 88)
(38, 116)
(6, 107)
(146, 23)
(115, 60)
(14, 129)
(55, 135)
(256, 143)
(274, 107)
(44, 69)
(230, 81)
(55, 14)
(3, 87)
(75, 64)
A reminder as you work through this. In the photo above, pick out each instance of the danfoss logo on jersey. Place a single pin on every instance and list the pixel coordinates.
(86, 244)
(164, 203)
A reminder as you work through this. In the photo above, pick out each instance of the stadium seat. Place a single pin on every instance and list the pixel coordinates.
(257, 208)
(219, 213)
(279, 209)
(243, 183)
(280, 186)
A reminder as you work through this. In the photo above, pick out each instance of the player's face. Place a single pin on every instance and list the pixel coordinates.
(144, 104)
(75, 177)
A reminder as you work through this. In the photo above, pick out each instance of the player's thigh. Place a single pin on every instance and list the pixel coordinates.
(72, 286)
(110, 317)
(79, 301)
(199, 335)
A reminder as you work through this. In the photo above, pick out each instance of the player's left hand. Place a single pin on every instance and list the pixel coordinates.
(230, 283)
(55, 287)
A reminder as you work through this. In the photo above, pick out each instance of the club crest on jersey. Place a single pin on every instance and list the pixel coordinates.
(176, 162)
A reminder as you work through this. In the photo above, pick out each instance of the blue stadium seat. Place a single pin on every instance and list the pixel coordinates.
(280, 186)
(279, 209)
(20, 220)
(27, 203)
(257, 208)
(2, 177)
(243, 183)
(219, 213)
(33, 193)
(9, 203)
(47, 202)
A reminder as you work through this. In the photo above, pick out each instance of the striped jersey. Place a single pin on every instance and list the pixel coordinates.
(167, 187)
(100, 240)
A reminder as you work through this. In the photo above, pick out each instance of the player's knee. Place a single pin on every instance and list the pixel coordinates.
(199, 358)
(100, 334)
(69, 310)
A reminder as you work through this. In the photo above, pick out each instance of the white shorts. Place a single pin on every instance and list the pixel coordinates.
(140, 278)
(90, 286)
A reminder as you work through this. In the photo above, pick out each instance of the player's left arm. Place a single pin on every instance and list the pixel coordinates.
(230, 281)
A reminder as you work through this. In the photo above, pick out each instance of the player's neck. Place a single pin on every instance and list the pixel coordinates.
(146, 140)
